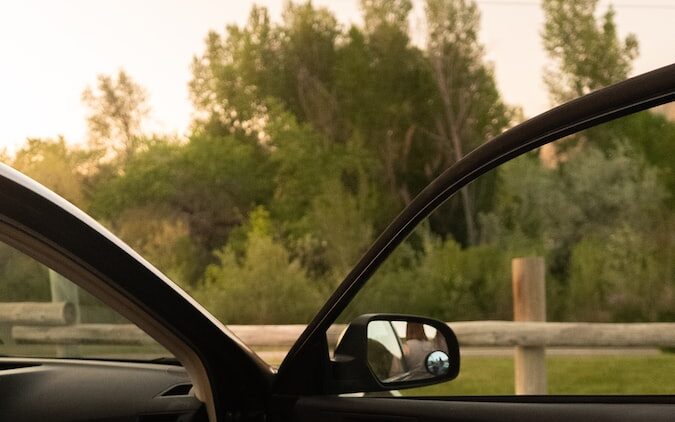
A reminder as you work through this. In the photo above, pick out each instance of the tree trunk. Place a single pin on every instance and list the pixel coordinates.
(454, 120)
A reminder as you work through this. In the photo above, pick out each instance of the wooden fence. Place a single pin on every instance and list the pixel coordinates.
(469, 333)
(57, 323)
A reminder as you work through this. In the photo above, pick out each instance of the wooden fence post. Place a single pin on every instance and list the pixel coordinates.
(529, 304)
(63, 290)
(6, 338)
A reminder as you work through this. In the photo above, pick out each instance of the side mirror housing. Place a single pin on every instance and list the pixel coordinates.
(381, 352)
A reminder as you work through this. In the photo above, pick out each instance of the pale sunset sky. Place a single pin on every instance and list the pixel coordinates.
(51, 50)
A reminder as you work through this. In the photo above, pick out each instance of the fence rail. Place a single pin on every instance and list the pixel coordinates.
(564, 334)
(470, 334)
(79, 334)
(37, 313)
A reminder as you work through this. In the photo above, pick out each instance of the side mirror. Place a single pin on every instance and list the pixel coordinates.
(379, 352)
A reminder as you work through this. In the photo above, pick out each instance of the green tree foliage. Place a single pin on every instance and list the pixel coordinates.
(264, 286)
(587, 52)
(441, 280)
(162, 238)
(227, 79)
(55, 165)
(339, 221)
(209, 184)
(309, 137)
(626, 276)
(307, 54)
(383, 90)
(549, 211)
(21, 277)
(367, 85)
(619, 262)
(651, 136)
(587, 55)
(117, 108)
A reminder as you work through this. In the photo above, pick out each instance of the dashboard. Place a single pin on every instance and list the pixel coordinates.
(91, 390)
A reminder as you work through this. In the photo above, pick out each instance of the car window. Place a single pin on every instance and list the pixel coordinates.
(579, 234)
(43, 314)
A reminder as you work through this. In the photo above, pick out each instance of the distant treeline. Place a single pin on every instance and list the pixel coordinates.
(309, 137)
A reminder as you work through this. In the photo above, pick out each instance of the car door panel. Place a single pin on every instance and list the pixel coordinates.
(346, 409)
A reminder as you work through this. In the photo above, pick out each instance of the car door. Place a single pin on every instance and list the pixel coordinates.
(305, 386)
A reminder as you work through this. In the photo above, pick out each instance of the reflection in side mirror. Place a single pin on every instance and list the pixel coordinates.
(400, 351)
(438, 363)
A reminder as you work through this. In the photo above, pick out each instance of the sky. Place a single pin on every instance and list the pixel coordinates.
(50, 51)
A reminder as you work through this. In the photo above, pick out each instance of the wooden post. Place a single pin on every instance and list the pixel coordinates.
(6, 338)
(63, 290)
(529, 304)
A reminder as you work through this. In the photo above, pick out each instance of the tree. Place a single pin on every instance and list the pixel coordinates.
(469, 110)
(378, 14)
(588, 201)
(587, 53)
(232, 79)
(55, 165)
(383, 90)
(210, 183)
(117, 108)
(163, 238)
(307, 53)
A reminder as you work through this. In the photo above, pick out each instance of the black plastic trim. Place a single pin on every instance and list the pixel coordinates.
(408, 409)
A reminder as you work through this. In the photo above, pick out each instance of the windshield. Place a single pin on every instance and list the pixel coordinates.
(252, 153)
(43, 314)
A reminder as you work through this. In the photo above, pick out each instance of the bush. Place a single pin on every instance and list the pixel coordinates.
(623, 277)
(442, 281)
(264, 286)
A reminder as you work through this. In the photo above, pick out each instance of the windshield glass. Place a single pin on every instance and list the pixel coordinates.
(43, 314)
(253, 150)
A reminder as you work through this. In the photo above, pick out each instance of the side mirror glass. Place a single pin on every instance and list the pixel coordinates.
(406, 351)
(379, 352)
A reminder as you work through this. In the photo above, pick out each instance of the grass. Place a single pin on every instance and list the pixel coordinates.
(566, 375)
(93, 351)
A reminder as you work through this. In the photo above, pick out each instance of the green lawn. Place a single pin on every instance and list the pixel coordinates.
(566, 375)
(145, 352)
